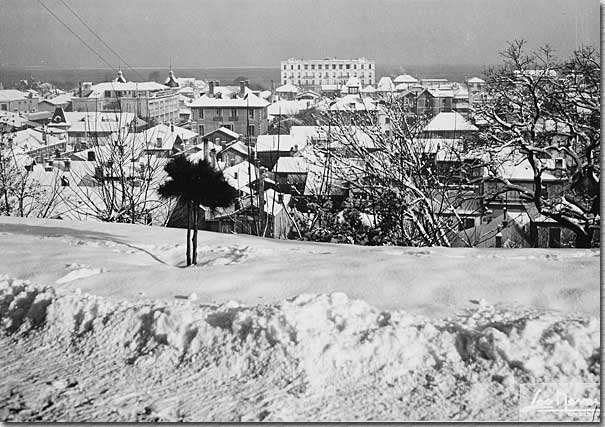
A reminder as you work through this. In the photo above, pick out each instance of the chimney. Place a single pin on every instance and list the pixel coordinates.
(171, 128)
(242, 88)
(211, 88)
(205, 141)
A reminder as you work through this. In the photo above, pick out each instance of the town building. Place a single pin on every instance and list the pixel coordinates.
(90, 129)
(241, 112)
(313, 73)
(15, 101)
(151, 101)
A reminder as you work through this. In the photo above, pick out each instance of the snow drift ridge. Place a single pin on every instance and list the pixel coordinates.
(323, 337)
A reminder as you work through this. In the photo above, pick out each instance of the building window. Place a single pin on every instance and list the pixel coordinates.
(201, 129)
(4, 107)
(299, 66)
(291, 67)
(227, 126)
(217, 112)
(333, 66)
(284, 67)
(348, 66)
(107, 94)
(251, 130)
(312, 66)
(319, 67)
(234, 112)
(306, 67)
(251, 114)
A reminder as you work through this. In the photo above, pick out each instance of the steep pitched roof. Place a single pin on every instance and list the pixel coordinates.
(385, 85)
(449, 121)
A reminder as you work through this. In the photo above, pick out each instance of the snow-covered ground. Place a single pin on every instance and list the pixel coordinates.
(108, 326)
(138, 262)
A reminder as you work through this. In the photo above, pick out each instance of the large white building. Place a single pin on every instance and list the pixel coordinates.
(318, 72)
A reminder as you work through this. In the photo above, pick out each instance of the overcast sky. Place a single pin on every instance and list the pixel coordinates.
(215, 33)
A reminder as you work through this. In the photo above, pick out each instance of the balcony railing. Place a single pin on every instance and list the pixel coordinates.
(233, 118)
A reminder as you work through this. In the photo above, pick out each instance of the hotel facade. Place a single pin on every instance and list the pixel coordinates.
(314, 73)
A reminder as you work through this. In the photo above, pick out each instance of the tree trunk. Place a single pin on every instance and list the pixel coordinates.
(196, 210)
(584, 240)
(189, 213)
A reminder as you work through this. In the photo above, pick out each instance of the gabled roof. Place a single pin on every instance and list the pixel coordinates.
(405, 78)
(368, 89)
(475, 80)
(239, 147)
(449, 121)
(353, 82)
(225, 131)
(287, 88)
(385, 85)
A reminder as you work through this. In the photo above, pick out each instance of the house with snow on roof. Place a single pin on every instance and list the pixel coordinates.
(15, 101)
(448, 125)
(153, 102)
(287, 92)
(241, 112)
(88, 129)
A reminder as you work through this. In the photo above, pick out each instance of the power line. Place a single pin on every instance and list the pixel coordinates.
(101, 39)
(76, 35)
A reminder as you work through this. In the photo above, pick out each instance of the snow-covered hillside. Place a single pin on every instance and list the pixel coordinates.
(137, 262)
(108, 326)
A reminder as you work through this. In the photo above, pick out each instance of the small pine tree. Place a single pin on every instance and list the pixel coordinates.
(196, 183)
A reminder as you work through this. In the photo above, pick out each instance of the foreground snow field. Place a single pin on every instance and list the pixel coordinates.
(99, 322)
(137, 263)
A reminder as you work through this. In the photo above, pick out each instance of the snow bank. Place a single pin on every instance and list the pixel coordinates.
(326, 338)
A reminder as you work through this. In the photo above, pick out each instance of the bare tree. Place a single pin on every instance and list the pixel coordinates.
(414, 186)
(117, 174)
(22, 192)
(547, 112)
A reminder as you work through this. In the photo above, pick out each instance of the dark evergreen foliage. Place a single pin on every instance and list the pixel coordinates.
(196, 183)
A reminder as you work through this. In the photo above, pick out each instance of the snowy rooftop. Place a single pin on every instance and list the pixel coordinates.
(7, 95)
(287, 88)
(449, 121)
(405, 78)
(226, 102)
(285, 143)
(291, 165)
(98, 90)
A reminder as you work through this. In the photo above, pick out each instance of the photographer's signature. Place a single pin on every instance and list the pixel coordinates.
(562, 402)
